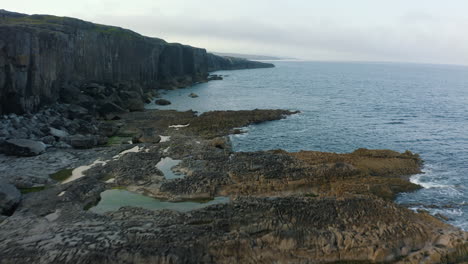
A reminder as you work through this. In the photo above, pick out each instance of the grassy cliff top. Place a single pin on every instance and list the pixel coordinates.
(51, 22)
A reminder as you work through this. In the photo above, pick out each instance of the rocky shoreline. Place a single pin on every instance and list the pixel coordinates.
(304, 207)
(74, 127)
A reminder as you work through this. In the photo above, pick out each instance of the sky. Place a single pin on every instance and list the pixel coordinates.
(421, 31)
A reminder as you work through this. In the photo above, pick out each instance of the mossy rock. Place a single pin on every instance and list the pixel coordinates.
(61, 175)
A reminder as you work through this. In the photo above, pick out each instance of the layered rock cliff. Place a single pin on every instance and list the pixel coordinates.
(41, 54)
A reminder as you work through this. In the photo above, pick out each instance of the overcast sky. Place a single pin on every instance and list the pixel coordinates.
(426, 31)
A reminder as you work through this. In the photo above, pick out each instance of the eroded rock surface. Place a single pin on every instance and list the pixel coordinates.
(305, 207)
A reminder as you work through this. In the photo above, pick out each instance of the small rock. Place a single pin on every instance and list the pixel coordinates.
(162, 102)
(193, 95)
(9, 198)
(23, 147)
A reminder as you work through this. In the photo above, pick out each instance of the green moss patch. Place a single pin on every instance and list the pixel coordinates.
(61, 175)
(32, 189)
(118, 140)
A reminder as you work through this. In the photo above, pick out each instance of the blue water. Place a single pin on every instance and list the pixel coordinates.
(422, 108)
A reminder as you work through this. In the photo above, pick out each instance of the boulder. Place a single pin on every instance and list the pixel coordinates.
(81, 141)
(135, 105)
(109, 108)
(76, 111)
(23, 147)
(9, 198)
(162, 102)
(57, 133)
(69, 93)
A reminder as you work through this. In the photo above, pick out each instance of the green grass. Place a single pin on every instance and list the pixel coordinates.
(61, 175)
(116, 31)
(32, 189)
(55, 20)
(118, 140)
(311, 195)
(35, 19)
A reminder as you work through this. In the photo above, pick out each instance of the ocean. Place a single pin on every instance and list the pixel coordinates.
(345, 106)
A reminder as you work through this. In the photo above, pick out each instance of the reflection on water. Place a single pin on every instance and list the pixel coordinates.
(112, 200)
(166, 165)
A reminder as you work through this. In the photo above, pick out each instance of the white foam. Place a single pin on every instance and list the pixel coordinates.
(166, 150)
(165, 139)
(427, 172)
(417, 179)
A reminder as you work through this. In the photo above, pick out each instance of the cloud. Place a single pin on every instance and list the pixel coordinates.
(319, 39)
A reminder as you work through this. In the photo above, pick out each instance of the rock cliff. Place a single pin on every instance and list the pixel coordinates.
(42, 54)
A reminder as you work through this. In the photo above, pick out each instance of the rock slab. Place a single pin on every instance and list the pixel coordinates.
(23, 147)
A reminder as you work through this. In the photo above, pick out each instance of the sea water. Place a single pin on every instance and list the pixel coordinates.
(345, 106)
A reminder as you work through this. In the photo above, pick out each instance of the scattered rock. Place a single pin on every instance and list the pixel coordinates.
(23, 147)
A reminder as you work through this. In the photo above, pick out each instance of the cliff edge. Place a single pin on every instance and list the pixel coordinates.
(42, 54)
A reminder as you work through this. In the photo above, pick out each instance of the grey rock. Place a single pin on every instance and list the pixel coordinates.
(81, 141)
(193, 95)
(58, 133)
(9, 198)
(23, 147)
(110, 108)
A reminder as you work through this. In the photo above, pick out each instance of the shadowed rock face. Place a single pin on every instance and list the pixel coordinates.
(39, 54)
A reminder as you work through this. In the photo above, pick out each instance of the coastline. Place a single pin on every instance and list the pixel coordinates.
(275, 197)
(92, 137)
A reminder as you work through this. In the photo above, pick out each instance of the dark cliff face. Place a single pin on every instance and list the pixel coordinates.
(39, 54)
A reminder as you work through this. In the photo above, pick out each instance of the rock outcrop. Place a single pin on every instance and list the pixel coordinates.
(41, 56)
(304, 207)
(23, 147)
